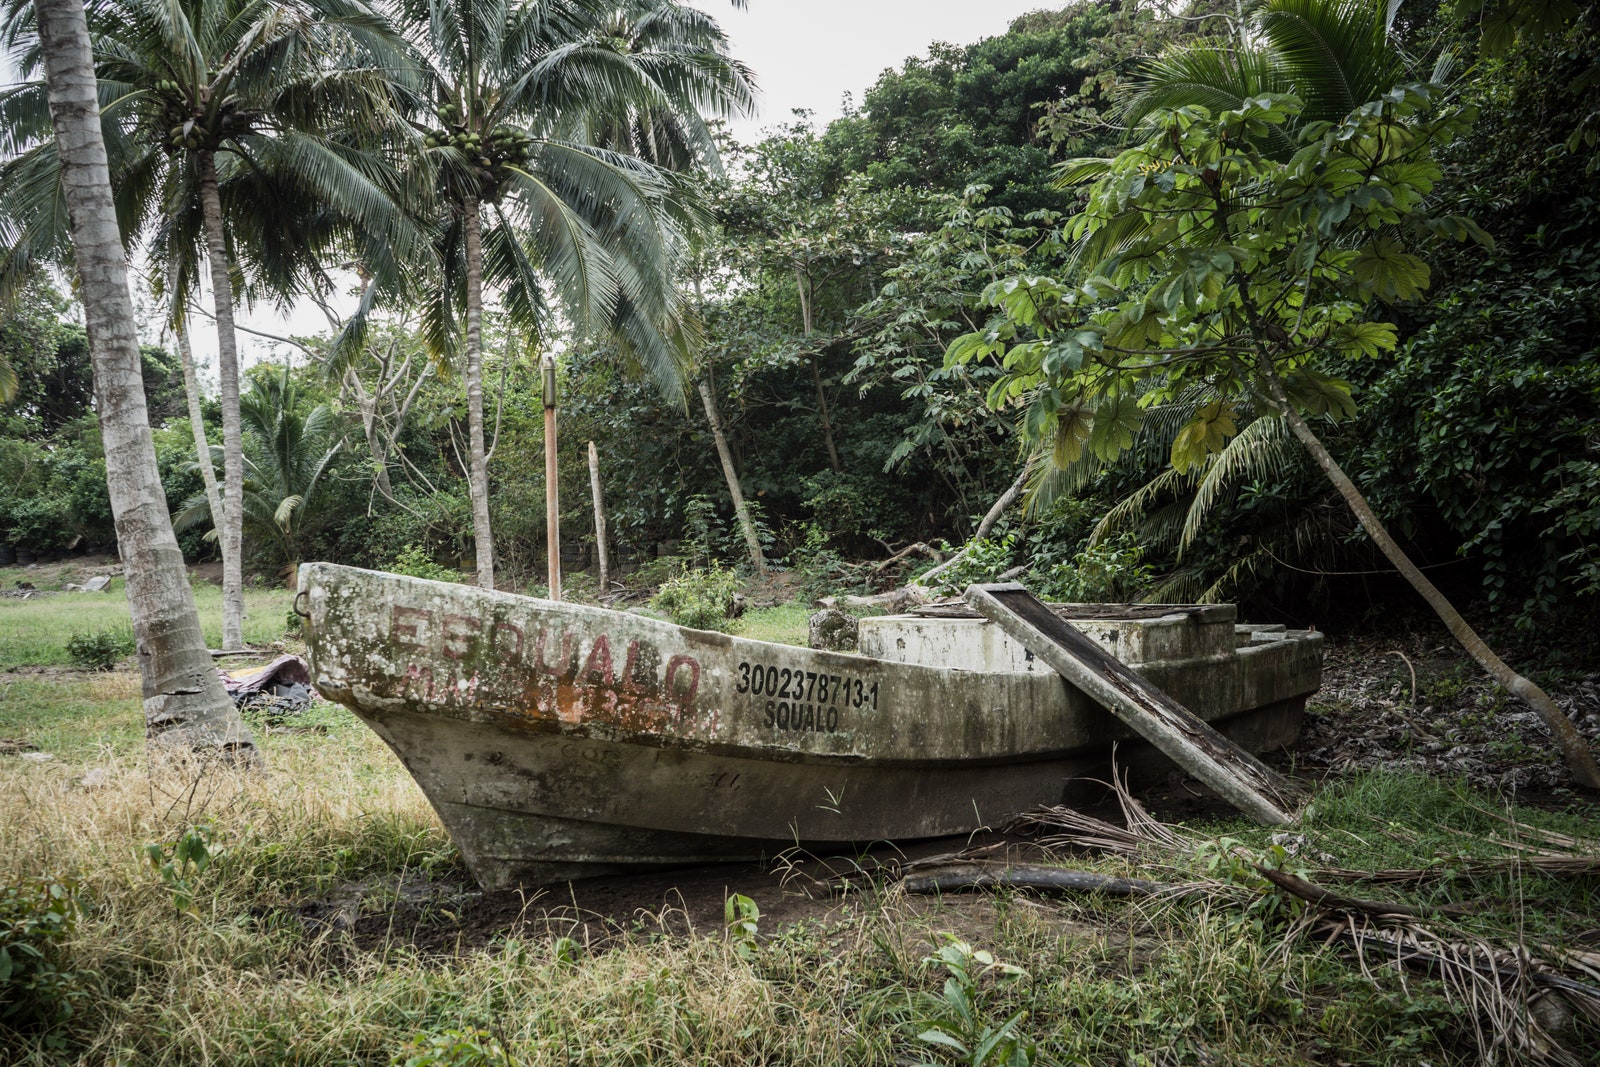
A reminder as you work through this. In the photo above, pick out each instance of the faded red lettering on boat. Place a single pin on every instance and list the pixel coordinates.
(456, 634)
(406, 634)
(668, 682)
(506, 651)
(599, 662)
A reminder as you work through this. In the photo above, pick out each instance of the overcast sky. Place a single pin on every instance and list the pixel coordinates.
(809, 53)
(805, 54)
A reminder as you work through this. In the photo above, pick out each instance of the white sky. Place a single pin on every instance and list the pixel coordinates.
(809, 53)
(805, 54)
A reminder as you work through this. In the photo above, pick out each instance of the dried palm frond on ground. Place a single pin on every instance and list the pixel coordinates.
(1058, 828)
(1522, 1003)
(1525, 997)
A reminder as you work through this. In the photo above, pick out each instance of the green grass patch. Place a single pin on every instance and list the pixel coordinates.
(73, 716)
(784, 624)
(36, 632)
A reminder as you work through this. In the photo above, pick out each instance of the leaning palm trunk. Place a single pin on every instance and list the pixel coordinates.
(740, 508)
(230, 532)
(1576, 752)
(184, 702)
(477, 459)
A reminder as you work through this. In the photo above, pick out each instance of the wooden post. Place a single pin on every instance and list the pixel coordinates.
(599, 517)
(552, 500)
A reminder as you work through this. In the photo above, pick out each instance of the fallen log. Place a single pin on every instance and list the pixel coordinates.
(1049, 879)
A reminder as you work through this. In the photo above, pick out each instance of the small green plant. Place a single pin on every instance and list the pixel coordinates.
(1109, 571)
(450, 1048)
(37, 987)
(659, 570)
(566, 951)
(957, 1021)
(984, 561)
(741, 917)
(415, 562)
(191, 854)
(699, 599)
(98, 651)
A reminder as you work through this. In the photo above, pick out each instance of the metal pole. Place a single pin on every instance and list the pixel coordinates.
(552, 502)
(599, 517)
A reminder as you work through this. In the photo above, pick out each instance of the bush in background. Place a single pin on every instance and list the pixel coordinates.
(98, 651)
(699, 599)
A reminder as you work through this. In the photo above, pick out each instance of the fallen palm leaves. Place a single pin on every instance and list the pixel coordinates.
(1524, 996)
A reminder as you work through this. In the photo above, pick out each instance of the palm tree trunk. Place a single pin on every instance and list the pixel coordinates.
(230, 532)
(184, 702)
(740, 509)
(477, 463)
(197, 422)
(1580, 761)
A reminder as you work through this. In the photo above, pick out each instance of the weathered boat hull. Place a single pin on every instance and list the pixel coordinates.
(560, 741)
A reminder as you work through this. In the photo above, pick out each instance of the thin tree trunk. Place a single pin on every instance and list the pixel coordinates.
(802, 283)
(184, 702)
(230, 533)
(197, 422)
(599, 517)
(369, 418)
(752, 542)
(477, 457)
(1580, 761)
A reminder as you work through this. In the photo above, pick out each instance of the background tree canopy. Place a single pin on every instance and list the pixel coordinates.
(845, 260)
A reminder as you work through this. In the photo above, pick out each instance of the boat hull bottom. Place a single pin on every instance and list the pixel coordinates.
(506, 848)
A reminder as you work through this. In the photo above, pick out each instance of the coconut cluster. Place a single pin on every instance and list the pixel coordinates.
(493, 153)
(190, 128)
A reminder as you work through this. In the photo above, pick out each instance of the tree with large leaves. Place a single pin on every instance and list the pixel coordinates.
(1241, 276)
(184, 701)
(239, 133)
(521, 91)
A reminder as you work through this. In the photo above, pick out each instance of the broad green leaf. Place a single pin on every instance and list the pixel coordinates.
(1317, 394)
(1206, 434)
(1365, 338)
(1388, 273)
(1114, 427)
(939, 1037)
(1073, 427)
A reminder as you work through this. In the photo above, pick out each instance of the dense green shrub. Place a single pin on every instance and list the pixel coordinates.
(415, 562)
(1111, 571)
(37, 985)
(98, 651)
(699, 599)
(1486, 425)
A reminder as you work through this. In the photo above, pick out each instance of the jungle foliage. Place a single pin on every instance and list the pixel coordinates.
(844, 262)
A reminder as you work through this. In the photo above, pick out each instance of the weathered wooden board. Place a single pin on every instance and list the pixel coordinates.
(1234, 774)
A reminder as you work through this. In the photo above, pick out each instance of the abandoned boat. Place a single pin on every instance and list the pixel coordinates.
(560, 741)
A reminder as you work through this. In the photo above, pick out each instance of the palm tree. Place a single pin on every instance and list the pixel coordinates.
(521, 91)
(184, 701)
(1335, 55)
(287, 455)
(236, 130)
